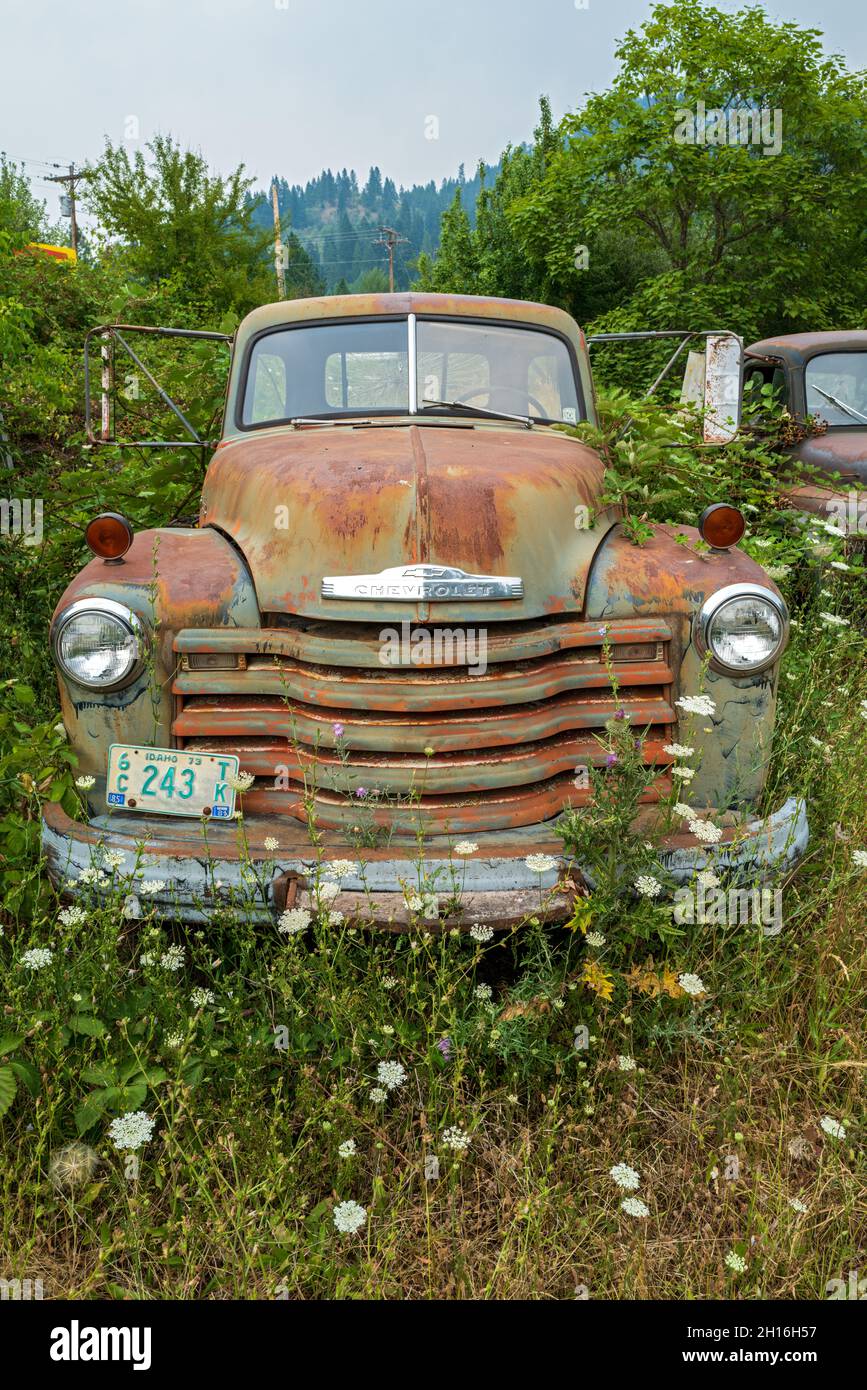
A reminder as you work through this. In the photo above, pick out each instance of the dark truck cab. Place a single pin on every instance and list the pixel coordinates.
(823, 375)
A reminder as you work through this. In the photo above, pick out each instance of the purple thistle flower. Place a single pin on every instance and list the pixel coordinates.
(338, 730)
(445, 1047)
(621, 714)
(611, 760)
(361, 792)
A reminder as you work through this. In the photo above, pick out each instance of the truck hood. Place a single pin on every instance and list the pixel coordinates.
(842, 451)
(304, 504)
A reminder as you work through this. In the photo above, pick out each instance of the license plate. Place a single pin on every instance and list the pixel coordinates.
(170, 781)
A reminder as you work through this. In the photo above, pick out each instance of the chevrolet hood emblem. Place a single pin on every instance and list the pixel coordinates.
(422, 582)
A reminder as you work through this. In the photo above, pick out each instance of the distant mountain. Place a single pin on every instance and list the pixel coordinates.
(337, 220)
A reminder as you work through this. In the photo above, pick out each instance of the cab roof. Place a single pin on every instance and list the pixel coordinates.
(797, 348)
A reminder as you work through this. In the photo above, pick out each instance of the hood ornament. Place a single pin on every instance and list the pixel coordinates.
(413, 583)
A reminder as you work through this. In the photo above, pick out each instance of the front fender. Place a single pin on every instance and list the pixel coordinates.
(665, 579)
(171, 579)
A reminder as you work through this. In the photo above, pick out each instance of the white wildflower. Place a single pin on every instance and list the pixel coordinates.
(691, 984)
(151, 887)
(456, 1139)
(173, 1040)
(202, 997)
(706, 831)
(540, 863)
(481, 933)
(389, 982)
(736, 1262)
(271, 844)
(708, 879)
(241, 781)
(347, 1148)
(132, 1130)
(595, 938)
(349, 1217)
(328, 892)
(173, 958)
(696, 704)
(293, 920)
(465, 847)
(378, 1095)
(340, 869)
(72, 916)
(113, 858)
(678, 750)
(648, 886)
(91, 875)
(840, 565)
(391, 1075)
(625, 1063)
(633, 1206)
(859, 858)
(625, 1177)
(483, 993)
(85, 782)
(685, 774)
(797, 1205)
(37, 958)
(834, 620)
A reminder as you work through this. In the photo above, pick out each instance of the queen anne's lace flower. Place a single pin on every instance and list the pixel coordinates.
(595, 938)
(481, 933)
(685, 774)
(633, 1206)
(349, 1217)
(648, 886)
(736, 1262)
(151, 887)
(378, 1094)
(706, 831)
(456, 1139)
(347, 1148)
(293, 920)
(173, 958)
(834, 620)
(202, 997)
(391, 1075)
(691, 984)
(37, 958)
(271, 844)
(340, 868)
(72, 916)
(465, 847)
(132, 1130)
(241, 781)
(113, 858)
(85, 783)
(625, 1063)
(859, 858)
(697, 704)
(483, 993)
(678, 750)
(797, 1205)
(625, 1177)
(540, 863)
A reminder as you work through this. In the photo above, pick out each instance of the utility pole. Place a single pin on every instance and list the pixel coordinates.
(279, 261)
(71, 179)
(389, 238)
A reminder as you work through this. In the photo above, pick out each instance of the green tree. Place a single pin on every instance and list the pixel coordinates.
(760, 225)
(175, 221)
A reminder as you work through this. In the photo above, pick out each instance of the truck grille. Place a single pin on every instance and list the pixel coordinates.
(505, 743)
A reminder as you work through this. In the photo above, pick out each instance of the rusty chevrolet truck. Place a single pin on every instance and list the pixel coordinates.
(393, 469)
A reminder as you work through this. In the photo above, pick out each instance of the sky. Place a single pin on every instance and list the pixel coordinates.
(293, 86)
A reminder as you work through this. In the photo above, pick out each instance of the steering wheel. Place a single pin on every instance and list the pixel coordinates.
(503, 391)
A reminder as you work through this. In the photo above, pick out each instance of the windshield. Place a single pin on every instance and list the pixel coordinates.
(837, 387)
(362, 368)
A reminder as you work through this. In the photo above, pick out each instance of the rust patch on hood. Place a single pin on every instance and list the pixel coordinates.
(304, 503)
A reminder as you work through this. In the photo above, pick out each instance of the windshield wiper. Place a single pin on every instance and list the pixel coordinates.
(525, 420)
(841, 405)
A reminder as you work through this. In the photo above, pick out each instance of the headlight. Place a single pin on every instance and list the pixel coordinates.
(742, 628)
(98, 643)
